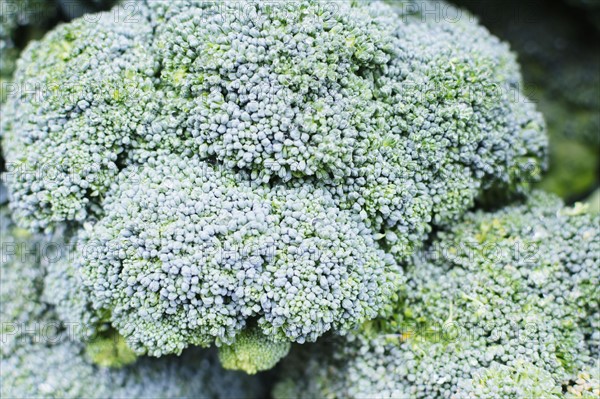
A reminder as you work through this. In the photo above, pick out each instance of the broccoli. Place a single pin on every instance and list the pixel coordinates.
(24, 20)
(36, 15)
(504, 304)
(110, 350)
(61, 371)
(43, 357)
(21, 280)
(252, 352)
(221, 253)
(586, 385)
(381, 121)
(560, 61)
(521, 379)
(266, 167)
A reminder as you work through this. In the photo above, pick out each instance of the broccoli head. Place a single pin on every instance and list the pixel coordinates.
(381, 109)
(61, 370)
(267, 165)
(504, 304)
(223, 252)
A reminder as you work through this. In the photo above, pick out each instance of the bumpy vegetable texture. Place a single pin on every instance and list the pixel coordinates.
(18, 14)
(25, 20)
(262, 166)
(559, 55)
(504, 304)
(43, 357)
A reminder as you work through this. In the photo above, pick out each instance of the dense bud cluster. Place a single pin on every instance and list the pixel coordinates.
(501, 306)
(21, 282)
(379, 109)
(62, 371)
(227, 163)
(253, 351)
(84, 93)
(43, 357)
(187, 253)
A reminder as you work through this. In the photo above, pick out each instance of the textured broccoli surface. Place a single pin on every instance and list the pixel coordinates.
(21, 281)
(521, 379)
(20, 20)
(252, 352)
(381, 112)
(559, 55)
(62, 371)
(586, 385)
(267, 165)
(504, 304)
(223, 252)
(43, 357)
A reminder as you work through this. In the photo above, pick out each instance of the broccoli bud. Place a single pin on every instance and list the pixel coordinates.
(252, 352)
(110, 350)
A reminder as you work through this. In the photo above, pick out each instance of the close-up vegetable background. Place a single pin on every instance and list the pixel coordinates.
(300, 199)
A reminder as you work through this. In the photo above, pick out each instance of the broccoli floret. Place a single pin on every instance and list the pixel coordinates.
(21, 283)
(110, 350)
(382, 112)
(270, 166)
(559, 44)
(62, 371)
(253, 351)
(91, 88)
(371, 106)
(15, 16)
(63, 288)
(43, 357)
(519, 380)
(501, 304)
(187, 253)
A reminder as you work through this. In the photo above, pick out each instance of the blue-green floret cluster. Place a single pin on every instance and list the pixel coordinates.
(86, 90)
(21, 283)
(226, 163)
(43, 357)
(381, 110)
(501, 305)
(61, 370)
(188, 253)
